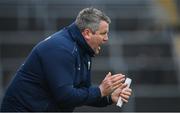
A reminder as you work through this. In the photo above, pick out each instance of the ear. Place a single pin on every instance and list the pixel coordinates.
(87, 34)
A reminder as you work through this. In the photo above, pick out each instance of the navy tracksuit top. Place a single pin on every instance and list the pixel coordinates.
(55, 76)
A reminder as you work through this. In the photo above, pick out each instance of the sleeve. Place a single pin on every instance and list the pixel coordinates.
(101, 102)
(59, 68)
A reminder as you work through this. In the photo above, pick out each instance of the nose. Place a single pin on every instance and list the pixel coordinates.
(106, 38)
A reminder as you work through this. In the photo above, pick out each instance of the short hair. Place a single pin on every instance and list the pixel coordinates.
(90, 18)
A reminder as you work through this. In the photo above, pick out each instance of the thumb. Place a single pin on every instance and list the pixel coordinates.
(108, 75)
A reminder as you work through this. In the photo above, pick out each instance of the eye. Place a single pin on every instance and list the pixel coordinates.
(104, 33)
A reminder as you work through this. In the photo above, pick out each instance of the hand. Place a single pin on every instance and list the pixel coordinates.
(125, 94)
(115, 95)
(122, 92)
(111, 83)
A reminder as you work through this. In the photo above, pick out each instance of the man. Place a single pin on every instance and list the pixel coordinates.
(56, 74)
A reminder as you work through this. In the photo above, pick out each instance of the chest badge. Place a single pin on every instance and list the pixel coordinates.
(89, 65)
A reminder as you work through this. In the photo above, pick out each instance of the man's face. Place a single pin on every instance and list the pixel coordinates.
(95, 40)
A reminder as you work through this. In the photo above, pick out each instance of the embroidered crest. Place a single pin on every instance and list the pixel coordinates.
(89, 65)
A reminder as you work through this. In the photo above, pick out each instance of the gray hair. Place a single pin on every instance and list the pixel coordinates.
(90, 18)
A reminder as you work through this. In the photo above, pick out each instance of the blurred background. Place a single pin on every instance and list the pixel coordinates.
(144, 44)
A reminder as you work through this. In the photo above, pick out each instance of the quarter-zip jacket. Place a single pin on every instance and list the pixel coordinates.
(55, 76)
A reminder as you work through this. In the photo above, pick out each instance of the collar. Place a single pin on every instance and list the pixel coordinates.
(78, 37)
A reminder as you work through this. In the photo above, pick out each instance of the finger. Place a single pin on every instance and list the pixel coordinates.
(108, 75)
(116, 87)
(117, 82)
(117, 76)
(128, 90)
(124, 96)
(126, 93)
(118, 79)
(123, 86)
(124, 100)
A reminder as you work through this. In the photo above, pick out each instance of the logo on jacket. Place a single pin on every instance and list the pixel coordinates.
(89, 65)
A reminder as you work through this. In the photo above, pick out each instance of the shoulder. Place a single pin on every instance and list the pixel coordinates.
(60, 41)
